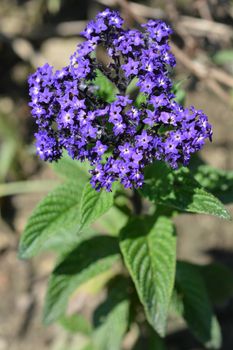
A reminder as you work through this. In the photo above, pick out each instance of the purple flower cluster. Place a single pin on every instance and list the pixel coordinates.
(121, 137)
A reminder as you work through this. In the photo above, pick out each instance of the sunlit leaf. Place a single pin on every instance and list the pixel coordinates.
(149, 251)
(178, 189)
(94, 204)
(112, 316)
(91, 258)
(55, 221)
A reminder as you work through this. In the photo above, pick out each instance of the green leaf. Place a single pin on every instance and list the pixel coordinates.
(54, 222)
(89, 346)
(180, 94)
(91, 258)
(94, 204)
(58, 220)
(112, 221)
(27, 186)
(177, 305)
(218, 280)
(71, 169)
(106, 89)
(7, 154)
(111, 318)
(224, 56)
(141, 98)
(76, 323)
(151, 341)
(178, 189)
(132, 87)
(156, 342)
(149, 251)
(197, 310)
(218, 182)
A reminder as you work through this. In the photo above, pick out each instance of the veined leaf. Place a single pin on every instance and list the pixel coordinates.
(149, 251)
(218, 280)
(178, 189)
(60, 217)
(112, 221)
(72, 169)
(76, 323)
(197, 310)
(91, 258)
(55, 221)
(112, 316)
(218, 182)
(94, 204)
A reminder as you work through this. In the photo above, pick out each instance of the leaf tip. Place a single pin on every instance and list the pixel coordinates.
(226, 215)
(22, 252)
(46, 320)
(159, 323)
(47, 316)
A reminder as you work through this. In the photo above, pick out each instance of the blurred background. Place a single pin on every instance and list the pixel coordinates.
(33, 32)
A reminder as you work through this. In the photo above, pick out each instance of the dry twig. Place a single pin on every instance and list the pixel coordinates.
(203, 27)
(204, 9)
(201, 72)
(209, 75)
(145, 11)
(195, 26)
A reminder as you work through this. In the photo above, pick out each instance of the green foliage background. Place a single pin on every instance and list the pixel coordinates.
(146, 284)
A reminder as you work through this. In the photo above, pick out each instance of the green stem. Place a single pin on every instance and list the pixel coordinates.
(19, 187)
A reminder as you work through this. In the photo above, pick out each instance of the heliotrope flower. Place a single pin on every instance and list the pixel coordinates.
(121, 137)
